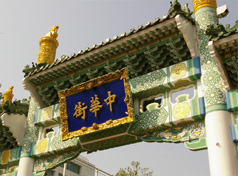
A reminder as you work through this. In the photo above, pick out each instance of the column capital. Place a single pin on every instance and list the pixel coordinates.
(197, 4)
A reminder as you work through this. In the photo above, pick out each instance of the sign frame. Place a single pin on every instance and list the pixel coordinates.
(122, 75)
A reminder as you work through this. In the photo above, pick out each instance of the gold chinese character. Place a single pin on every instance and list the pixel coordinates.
(80, 110)
(95, 106)
(110, 100)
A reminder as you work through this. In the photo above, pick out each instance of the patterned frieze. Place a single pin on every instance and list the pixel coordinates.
(49, 162)
(192, 134)
(10, 156)
(31, 131)
(9, 170)
(212, 84)
(166, 78)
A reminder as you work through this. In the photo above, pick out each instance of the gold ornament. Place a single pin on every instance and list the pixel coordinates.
(178, 71)
(47, 113)
(181, 110)
(197, 4)
(42, 145)
(80, 110)
(7, 96)
(5, 157)
(110, 100)
(95, 106)
(48, 46)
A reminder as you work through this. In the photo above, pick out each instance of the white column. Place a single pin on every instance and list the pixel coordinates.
(25, 166)
(221, 149)
(64, 171)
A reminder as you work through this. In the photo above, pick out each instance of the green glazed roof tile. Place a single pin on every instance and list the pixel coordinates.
(218, 32)
(174, 10)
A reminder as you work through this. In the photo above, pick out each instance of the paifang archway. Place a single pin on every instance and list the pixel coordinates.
(163, 82)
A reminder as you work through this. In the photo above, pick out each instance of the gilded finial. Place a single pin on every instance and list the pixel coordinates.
(48, 46)
(53, 32)
(7, 96)
(197, 4)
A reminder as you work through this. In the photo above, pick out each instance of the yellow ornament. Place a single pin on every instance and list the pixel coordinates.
(95, 106)
(110, 100)
(48, 46)
(7, 96)
(5, 157)
(42, 145)
(47, 113)
(178, 71)
(197, 4)
(182, 108)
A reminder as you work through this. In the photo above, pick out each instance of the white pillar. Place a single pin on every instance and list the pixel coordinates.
(64, 171)
(221, 149)
(25, 166)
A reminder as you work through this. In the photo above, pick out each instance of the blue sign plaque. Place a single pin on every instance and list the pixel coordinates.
(95, 105)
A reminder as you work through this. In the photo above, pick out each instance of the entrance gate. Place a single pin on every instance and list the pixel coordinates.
(167, 81)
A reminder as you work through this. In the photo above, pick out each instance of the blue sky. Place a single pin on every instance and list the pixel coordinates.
(83, 23)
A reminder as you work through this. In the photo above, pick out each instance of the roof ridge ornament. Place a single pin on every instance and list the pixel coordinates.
(7, 96)
(197, 4)
(176, 9)
(48, 46)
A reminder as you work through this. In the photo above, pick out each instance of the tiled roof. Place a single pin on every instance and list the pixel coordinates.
(174, 10)
(218, 32)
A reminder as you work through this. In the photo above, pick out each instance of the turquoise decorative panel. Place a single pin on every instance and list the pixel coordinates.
(185, 110)
(167, 78)
(232, 100)
(10, 161)
(234, 133)
(10, 156)
(53, 145)
(48, 116)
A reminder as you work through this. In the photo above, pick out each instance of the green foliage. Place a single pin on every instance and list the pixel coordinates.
(134, 170)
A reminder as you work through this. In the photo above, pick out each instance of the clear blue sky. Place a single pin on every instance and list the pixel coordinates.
(83, 23)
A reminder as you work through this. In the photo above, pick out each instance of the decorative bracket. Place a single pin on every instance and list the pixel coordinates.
(189, 33)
